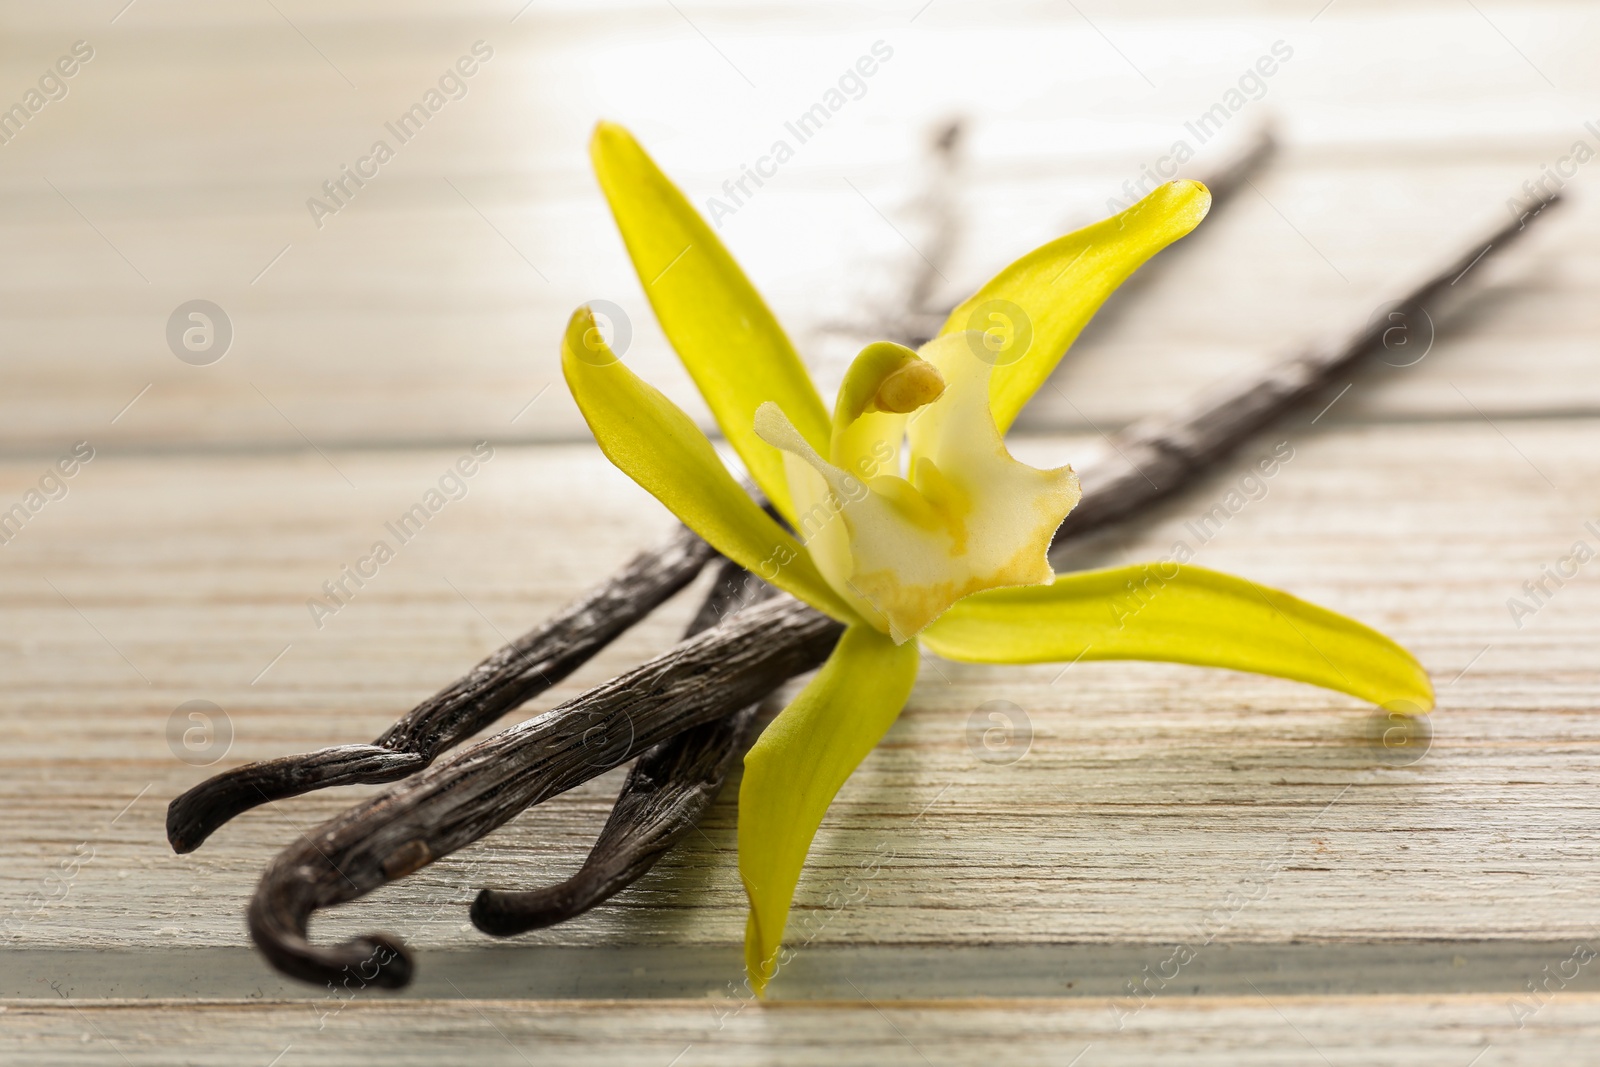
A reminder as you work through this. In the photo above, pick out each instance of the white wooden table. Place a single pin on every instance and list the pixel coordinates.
(1340, 906)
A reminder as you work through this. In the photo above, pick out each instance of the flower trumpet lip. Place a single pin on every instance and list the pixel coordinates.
(904, 515)
(964, 516)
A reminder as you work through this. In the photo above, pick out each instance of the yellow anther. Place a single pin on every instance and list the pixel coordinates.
(914, 385)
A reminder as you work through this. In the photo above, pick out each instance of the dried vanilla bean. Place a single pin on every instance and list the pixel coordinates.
(477, 789)
(666, 792)
(504, 681)
(1156, 456)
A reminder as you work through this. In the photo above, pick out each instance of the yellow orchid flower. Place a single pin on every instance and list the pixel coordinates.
(907, 518)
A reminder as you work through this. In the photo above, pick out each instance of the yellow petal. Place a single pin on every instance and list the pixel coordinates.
(723, 332)
(1033, 310)
(653, 442)
(796, 767)
(1183, 614)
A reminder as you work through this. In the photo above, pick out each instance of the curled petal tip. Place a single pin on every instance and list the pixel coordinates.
(1194, 197)
(606, 130)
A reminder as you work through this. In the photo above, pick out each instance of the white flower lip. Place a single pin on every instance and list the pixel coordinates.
(963, 517)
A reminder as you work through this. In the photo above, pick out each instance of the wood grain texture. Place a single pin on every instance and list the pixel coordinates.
(1151, 805)
(194, 139)
(1144, 788)
(1406, 1031)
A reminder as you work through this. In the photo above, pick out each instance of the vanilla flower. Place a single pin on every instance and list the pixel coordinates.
(917, 527)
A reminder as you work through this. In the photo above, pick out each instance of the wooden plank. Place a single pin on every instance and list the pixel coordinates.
(1120, 976)
(1404, 1030)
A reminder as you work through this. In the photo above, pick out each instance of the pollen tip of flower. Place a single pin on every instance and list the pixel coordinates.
(914, 385)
